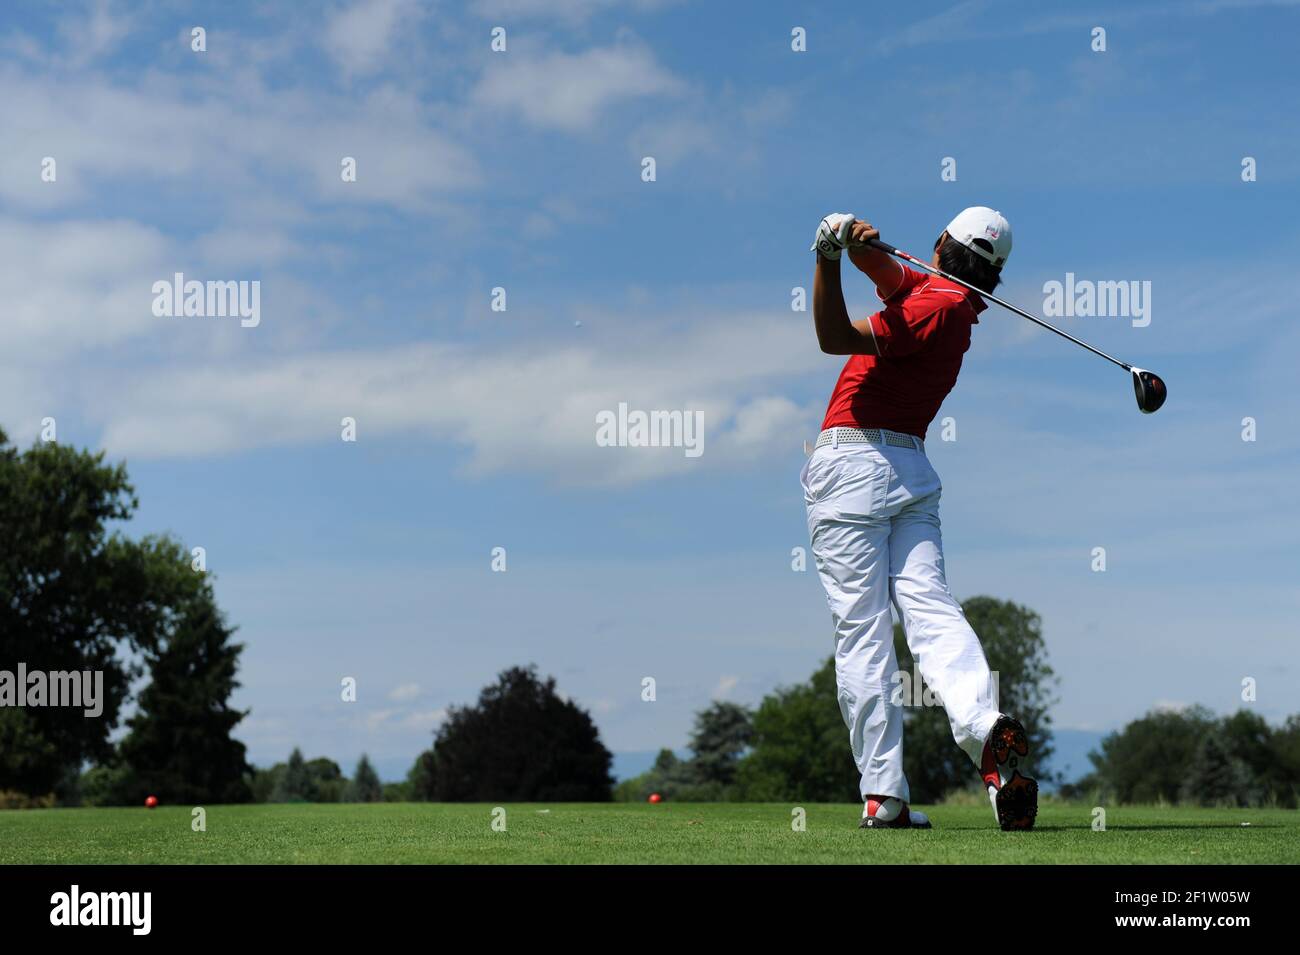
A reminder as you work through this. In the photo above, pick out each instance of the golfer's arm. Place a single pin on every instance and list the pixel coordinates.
(837, 334)
(885, 271)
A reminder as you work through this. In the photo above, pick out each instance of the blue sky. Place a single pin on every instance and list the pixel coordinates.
(522, 170)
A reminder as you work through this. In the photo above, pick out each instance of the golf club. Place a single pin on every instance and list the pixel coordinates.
(1148, 387)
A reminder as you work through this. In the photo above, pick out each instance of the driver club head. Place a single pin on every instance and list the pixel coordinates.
(1150, 390)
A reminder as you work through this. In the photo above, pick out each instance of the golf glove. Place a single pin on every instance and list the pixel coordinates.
(833, 234)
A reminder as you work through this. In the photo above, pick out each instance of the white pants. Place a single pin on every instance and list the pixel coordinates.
(873, 516)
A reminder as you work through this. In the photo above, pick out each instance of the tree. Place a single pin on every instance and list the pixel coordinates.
(1013, 644)
(520, 742)
(673, 778)
(420, 777)
(295, 783)
(1249, 738)
(1191, 756)
(1147, 760)
(328, 784)
(397, 792)
(722, 732)
(800, 746)
(263, 782)
(179, 747)
(1286, 758)
(1219, 777)
(75, 596)
(105, 785)
(299, 780)
(365, 785)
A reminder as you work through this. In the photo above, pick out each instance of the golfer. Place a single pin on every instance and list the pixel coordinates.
(873, 510)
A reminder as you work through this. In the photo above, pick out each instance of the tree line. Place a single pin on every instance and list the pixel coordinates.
(791, 748)
(1193, 757)
(76, 594)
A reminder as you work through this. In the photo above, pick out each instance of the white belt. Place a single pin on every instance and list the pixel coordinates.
(838, 436)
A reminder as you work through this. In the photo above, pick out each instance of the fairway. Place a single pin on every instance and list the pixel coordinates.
(636, 833)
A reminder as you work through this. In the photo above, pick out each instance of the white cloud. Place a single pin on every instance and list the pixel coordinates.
(971, 20)
(570, 91)
(359, 36)
(454, 394)
(404, 693)
(76, 285)
(85, 36)
(398, 721)
(724, 686)
(568, 10)
(95, 34)
(375, 719)
(423, 720)
(77, 288)
(719, 124)
(101, 133)
(934, 28)
(245, 247)
(672, 139)
(763, 424)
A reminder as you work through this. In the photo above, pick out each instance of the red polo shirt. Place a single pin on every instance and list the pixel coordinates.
(922, 334)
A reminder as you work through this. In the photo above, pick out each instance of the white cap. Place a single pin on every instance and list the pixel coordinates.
(981, 222)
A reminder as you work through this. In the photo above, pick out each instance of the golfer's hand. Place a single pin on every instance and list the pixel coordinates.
(860, 233)
(833, 234)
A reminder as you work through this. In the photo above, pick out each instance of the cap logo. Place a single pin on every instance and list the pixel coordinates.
(991, 232)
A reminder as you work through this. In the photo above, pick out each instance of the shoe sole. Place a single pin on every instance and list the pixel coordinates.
(1015, 803)
(1008, 741)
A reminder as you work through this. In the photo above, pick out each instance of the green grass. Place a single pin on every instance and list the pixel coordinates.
(635, 833)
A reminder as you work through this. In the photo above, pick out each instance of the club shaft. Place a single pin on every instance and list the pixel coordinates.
(886, 247)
